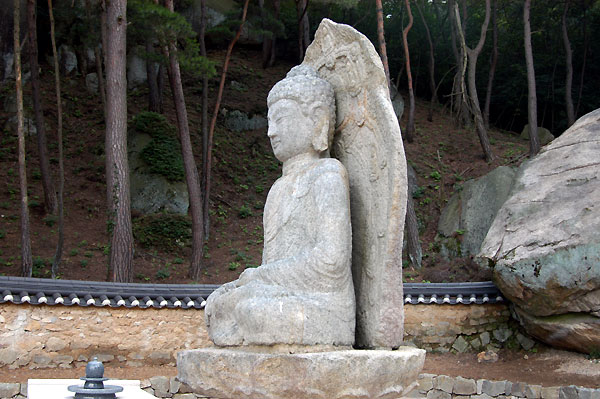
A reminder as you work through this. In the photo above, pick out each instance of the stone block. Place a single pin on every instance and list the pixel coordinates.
(160, 383)
(550, 392)
(569, 392)
(518, 389)
(464, 386)
(244, 374)
(8, 390)
(533, 391)
(184, 396)
(55, 344)
(525, 342)
(460, 345)
(8, 356)
(425, 382)
(588, 393)
(437, 394)
(174, 385)
(443, 383)
(502, 334)
(482, 396)
(493, 388)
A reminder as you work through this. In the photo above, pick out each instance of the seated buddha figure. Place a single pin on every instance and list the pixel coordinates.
(302, 293)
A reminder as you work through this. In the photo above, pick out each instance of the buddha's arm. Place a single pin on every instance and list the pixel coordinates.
(329, 259)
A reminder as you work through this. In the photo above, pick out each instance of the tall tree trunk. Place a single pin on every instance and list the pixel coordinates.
(121, 254)
(413, 246)
(26, 259)
(154, 97)
(109, 173)
(458, 86)
(204, 121)
(207, 163)
(189, 164)
(473, 54)
(276, 6)
(98, 58)
(61, 166)
(410, 127)
(569, 72)
(381, 37)
(586, 44)
(47, 183)
(303, 28)
(534, 143)
(493, 63)
(430, 65)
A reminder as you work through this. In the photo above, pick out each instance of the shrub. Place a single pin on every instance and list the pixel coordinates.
(165, 231)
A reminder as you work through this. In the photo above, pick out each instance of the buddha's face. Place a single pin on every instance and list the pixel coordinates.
(290, 130)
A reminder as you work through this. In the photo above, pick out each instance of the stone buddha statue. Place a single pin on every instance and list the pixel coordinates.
(303, 293)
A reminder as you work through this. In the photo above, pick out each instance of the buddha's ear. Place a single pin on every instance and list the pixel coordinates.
(320, 139)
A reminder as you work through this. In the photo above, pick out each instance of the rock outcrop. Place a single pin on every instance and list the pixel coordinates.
(544, 245)
(466, 219)
(544, 135)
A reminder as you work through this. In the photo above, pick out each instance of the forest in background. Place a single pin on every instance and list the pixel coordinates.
(187, 59)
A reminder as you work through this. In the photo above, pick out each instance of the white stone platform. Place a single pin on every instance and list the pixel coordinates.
(57, 389)
(235, 373)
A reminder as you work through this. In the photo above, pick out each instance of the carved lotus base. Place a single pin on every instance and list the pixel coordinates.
(348, 374)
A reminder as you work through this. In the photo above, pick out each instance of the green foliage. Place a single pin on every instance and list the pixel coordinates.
(50, 220)
(594, 353)
(163, 153)
(435, 175)
(163, 273)
(149, 21)
(244, 212)
(234, 265)
(164, 231)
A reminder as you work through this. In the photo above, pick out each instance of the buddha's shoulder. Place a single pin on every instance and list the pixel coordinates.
(328, 165)
(328, 171)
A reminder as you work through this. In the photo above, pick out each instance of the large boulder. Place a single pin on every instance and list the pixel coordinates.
(466, 219)
(151, 192)
(544, 135)
(544, 245)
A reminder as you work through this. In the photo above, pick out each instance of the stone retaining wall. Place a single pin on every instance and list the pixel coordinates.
(430, 387)
(46, 336)
(445, 387)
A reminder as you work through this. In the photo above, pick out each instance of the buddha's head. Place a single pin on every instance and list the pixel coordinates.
(301, 114)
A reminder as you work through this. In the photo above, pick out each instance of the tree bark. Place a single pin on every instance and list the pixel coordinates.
(110, 211)
(47, 183)
(208, 165)
(458, 86)
(121, 254)
(26, 259)
(472, 55)
(381, 37)
(413, 246)
(189, 164)
(534, 143)
(569, 72)
(98, 58)
(303, 28)
(410, 127)
(586, 43)
(154, 97)
(493, 63)
(204, 121)
(430, 65)
(61, 167)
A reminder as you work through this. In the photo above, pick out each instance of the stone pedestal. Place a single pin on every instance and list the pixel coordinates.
(350, 374)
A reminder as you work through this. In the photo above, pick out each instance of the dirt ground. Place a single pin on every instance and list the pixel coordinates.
(548, 367)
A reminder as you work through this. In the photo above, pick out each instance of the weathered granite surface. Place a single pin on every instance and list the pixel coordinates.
(369, 144)
(240, 374)
(302, 293)
(466, 219)
(544, 244)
